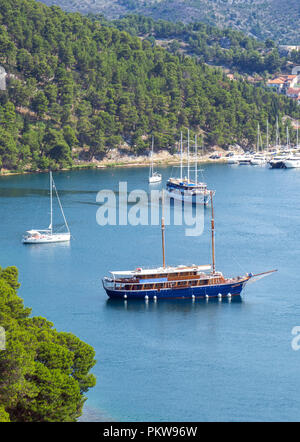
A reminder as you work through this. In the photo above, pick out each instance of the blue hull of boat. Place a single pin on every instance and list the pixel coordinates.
(211, 291)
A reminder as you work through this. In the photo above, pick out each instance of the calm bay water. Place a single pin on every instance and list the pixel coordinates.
(176, 360)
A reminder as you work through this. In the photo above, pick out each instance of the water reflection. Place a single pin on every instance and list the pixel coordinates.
(49, 249)
(16, 192)
(169, 305)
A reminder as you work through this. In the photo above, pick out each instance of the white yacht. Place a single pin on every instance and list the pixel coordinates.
(234, 159)
(278, 161)
(245, 160)
(258, 160)
(45, 236)
(292, 162)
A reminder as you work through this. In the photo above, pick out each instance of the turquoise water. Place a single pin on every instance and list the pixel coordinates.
(176, 360)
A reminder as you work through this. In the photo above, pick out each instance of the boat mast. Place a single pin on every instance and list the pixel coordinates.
(151, 165)
(257, 146)
(277, 133)
(188, 155)
(267, 134)
(51, 205)
(196, 163)
(163, 229)
(261, 143)
(60, 206)
(297, 133)
(212, 233)
(181, 156)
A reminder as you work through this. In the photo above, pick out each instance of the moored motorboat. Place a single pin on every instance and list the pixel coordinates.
(234, 159)
(258, 160)
(245, 160)
(292, 162)
(278, 161)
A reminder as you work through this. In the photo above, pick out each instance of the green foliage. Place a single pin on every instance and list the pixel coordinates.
(80, 87)
(4, 417)
(43, 373)
(261, 18)
(210, 44)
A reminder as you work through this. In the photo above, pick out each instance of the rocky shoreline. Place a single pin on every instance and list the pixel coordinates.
(115, 159)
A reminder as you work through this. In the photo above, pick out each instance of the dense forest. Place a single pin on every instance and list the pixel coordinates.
(261, 19)
(76, 87)
(212, 45)
(43, 373)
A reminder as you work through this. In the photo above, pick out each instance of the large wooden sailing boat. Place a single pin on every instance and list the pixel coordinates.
(180, 282)
(184, 188)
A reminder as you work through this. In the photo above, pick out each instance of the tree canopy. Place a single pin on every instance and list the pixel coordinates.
(43, 373)
(210, 44)
(79, 87)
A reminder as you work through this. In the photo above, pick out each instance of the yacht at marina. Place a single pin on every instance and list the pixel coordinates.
(278, 161)
(258, 160)
(292, 162)
(245, 160)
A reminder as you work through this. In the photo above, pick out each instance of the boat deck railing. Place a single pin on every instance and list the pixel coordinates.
(111, 283)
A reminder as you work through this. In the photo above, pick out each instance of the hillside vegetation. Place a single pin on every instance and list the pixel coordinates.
(43, 373)
(262, 19)
(77, 87)
(210, 44)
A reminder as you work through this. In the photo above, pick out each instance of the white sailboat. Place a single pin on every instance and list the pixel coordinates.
(259, 158)
(277, 141)
(154, 177)
(45, 236)
(292, 161)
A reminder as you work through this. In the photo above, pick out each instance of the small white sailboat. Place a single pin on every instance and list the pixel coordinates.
(154, 177)
(259, 158)
(45, 236)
